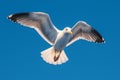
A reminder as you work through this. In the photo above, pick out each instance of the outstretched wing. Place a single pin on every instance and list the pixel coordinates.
(82, 30)
(40, 22)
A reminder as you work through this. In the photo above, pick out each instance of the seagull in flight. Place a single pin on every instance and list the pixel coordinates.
(58, 39)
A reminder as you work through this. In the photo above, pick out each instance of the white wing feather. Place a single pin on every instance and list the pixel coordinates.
(40, 22)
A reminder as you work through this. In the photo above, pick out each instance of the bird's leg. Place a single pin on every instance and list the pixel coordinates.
(57, 55)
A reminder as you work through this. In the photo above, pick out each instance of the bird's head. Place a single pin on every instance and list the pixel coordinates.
(67, 30)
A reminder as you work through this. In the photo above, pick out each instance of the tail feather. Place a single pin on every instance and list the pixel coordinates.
(49, 55)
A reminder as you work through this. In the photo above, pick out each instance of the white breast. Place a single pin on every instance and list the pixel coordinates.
(59, 36)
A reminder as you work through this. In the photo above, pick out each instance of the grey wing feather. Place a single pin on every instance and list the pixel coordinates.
(40, 22)
(82, 30)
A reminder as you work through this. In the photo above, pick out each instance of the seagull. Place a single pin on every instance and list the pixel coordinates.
(58, 39)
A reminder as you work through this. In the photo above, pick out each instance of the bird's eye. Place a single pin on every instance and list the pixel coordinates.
(66, 29)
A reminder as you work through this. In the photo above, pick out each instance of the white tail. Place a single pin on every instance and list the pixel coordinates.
(49, 54)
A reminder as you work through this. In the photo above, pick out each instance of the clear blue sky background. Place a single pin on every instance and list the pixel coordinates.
(20, 47)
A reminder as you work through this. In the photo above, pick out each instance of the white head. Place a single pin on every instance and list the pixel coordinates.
(67, 30)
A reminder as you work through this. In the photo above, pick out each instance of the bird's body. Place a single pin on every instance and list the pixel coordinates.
(59, 39)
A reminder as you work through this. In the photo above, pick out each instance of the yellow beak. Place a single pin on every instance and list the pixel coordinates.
(70, 32)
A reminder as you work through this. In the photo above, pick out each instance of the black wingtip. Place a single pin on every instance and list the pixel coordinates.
(99, 39)
(15, 17)
(12, 18)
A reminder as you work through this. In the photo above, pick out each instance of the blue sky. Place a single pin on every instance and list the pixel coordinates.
(20, 47)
